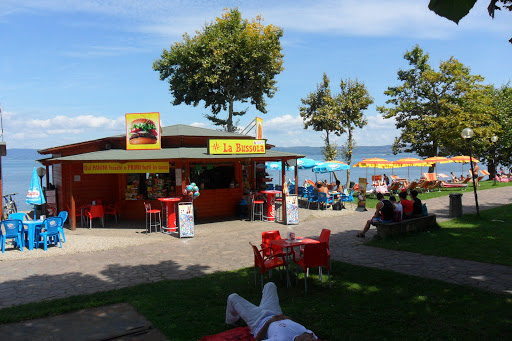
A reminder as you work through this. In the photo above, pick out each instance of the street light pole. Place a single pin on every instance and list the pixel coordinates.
(467, 134)
(494, 139)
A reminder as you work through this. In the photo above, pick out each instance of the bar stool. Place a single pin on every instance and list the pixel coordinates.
(150, 213)
(255, 204)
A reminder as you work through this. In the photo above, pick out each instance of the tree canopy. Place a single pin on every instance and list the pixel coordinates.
(230, 60)
(349, 105)
(432, 107)
(317, 111)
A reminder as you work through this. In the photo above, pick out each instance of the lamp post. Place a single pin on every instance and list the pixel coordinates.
(494, 139)
(467, 134)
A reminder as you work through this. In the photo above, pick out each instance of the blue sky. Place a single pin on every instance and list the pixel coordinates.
(71, 69)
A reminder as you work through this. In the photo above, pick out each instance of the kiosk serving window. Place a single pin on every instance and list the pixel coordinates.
(208, 176)
(150, 185)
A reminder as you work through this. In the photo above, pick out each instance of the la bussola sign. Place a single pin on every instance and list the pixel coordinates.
(227, 146)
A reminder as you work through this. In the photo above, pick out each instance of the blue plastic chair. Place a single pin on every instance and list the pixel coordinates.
(23, 217)
(64, 216)
(13, 230)
(269, 186)
(324, 199)
(49, 230)
(312, 195)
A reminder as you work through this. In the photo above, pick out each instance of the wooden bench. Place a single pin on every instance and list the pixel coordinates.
(406, 226)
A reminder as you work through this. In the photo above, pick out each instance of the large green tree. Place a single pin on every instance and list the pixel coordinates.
(318, 113)
(501, 152)
(431, 107)
(349, 105)
(231, 60)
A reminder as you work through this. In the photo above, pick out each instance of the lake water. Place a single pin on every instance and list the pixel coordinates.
(18, 165)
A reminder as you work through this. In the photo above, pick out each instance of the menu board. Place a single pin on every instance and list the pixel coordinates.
(292, 209)
(186, 219)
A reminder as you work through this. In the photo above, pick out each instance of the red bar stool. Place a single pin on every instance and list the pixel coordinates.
(150, 214)
(256, 207)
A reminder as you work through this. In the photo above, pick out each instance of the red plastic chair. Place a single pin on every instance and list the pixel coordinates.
(315, 255)
(113, 210)
(268, 249)
(78, 214)
(324, 238)
(266, 263)
(95, 211)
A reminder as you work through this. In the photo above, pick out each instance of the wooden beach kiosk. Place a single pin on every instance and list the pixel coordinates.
(103, 169)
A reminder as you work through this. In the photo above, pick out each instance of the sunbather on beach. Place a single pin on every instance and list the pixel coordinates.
(454, 177)
(266, 321)
(383, 214)
(321, 188)
(476, 169)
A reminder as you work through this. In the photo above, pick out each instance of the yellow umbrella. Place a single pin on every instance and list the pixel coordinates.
(409, 161)
(375, 163)
(463, 159)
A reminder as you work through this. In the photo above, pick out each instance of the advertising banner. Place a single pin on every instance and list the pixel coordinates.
(186, 219)
(292, 209)
(143, 131)
(259, 128)
(225, 146)
(361, 194)
(125, 168)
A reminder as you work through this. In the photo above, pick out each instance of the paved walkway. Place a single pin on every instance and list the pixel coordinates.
(223, 246)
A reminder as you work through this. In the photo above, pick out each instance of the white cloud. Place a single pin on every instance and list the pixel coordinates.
(378, 18)
(22, 132)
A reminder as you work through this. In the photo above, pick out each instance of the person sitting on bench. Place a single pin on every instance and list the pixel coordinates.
(383, 214)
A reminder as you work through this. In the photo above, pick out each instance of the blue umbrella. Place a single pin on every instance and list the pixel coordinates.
(35, 191)
(274, 165)
(327, 167)
(306, 163)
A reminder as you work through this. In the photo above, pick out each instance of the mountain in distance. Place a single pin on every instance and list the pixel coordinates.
(23, 154)
(364, 150)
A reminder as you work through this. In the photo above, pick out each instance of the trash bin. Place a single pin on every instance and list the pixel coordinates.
(455, 204)
(242, 209)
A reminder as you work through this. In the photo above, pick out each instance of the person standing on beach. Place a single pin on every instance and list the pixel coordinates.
(476, 169)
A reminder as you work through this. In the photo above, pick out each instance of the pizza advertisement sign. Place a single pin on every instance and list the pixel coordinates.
(143, 131)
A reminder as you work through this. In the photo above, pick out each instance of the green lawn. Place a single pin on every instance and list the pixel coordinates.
(484, 239)
(363, 304)
(484, 185)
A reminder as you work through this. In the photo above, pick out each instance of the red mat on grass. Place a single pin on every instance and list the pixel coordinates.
(236, 334)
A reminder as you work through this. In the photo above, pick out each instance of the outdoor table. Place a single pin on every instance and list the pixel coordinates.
(289, 245)
(170, 213)
(271, 204)
(31, 229)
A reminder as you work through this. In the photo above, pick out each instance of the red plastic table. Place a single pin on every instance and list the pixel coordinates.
(170, 213)
(271, 203)
(288, 245)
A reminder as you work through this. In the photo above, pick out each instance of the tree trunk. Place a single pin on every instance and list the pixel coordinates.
(491, 167)
(230, 117)
(349, 156)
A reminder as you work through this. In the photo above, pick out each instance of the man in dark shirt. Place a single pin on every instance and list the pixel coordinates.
(416, 204)
(383, 214)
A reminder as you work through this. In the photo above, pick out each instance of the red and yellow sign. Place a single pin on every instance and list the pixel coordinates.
(219, 147)
(259, 128)
(127, 167)
(143, 131)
